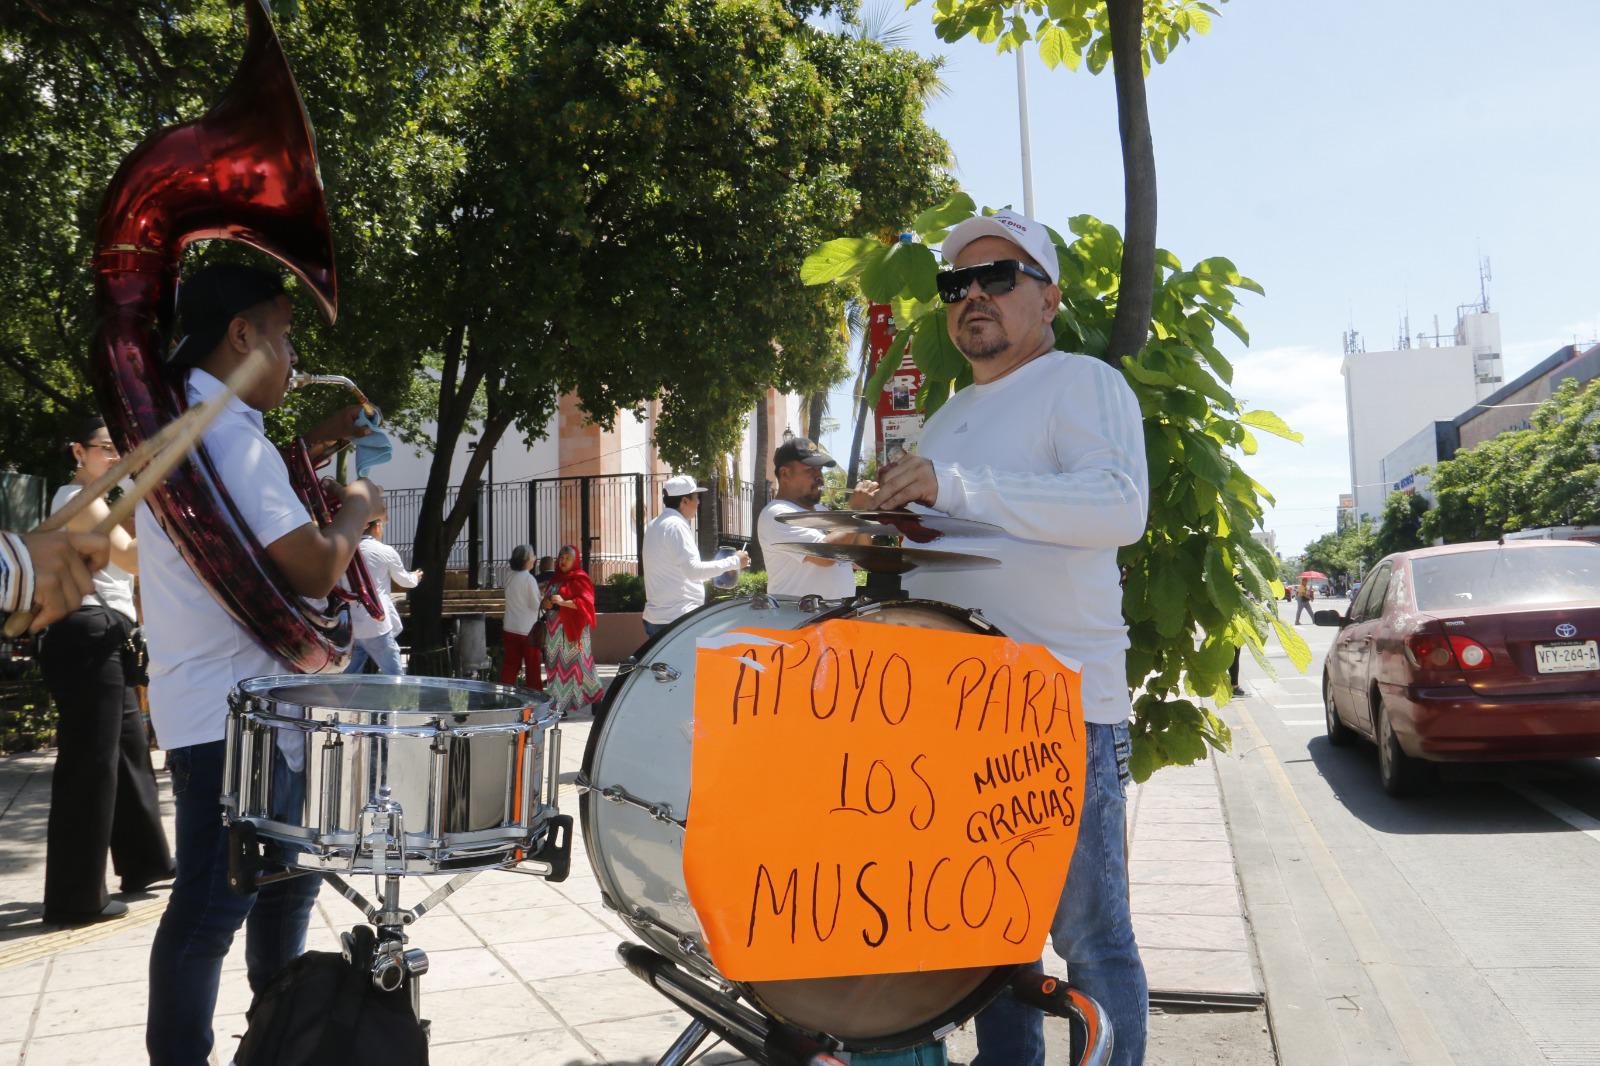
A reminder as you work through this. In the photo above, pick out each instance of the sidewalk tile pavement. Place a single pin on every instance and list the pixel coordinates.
(523, 970)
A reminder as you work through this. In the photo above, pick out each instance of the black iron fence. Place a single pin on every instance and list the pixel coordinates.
(602, 515)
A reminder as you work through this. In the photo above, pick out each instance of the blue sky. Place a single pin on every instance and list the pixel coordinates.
(1356, 159)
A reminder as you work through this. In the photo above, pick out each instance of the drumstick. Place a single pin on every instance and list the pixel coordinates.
(127, 465)
(131, 463)
(171, 446)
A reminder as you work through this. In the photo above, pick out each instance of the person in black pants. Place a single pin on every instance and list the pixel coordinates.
(103, 793)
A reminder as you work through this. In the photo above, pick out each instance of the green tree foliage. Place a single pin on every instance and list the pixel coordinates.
(1400, 528)
(1196, 585)
(1347, 553)
(1545, 475)
(81, 84)
(529, 197)
(1071, 33)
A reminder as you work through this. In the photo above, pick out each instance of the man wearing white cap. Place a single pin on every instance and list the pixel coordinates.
(1049, 446)
(674, 574)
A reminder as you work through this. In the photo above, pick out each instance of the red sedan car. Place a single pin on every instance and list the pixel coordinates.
(1469, 652)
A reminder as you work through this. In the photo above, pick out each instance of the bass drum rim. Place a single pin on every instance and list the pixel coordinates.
(969, 1005)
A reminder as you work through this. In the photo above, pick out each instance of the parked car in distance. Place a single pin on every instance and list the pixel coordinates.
(1469, 653)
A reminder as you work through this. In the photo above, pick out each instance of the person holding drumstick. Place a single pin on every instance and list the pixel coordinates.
(48, 573)
(198, 652)
(1049, 446)
(103, 792)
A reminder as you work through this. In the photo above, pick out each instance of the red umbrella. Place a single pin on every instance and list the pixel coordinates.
(1313, 575)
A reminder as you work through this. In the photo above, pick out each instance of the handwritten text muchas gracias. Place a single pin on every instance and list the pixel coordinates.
(871, 798)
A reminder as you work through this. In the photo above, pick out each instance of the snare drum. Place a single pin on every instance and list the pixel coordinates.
(378, 774)
(636, 775)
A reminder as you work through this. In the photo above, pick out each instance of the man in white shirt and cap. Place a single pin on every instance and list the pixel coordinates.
(1049, 446)
(798, 464)
(674, 573)
(379, 639)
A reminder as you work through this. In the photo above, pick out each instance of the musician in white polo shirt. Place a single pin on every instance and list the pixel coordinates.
(198, 652)
(674, 574)
(798, 464)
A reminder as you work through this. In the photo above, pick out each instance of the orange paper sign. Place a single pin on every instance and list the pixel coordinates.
(871, 798)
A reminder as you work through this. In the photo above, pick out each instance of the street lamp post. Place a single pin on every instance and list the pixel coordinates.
(1022, 124)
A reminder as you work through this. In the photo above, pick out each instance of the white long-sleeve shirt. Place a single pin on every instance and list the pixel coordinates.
(1053, 453)
(674, 576)
(387, 570)
(522, 602)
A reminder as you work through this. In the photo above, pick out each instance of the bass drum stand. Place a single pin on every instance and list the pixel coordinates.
(768, 1041)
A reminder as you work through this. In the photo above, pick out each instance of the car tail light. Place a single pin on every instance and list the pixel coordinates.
(1431, 651)
(1470, 654)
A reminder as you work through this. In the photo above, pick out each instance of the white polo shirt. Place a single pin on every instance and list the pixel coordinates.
(791, 575)
(674, 577)
(197, 651)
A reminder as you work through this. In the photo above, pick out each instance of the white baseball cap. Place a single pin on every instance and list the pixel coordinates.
(1006, 224)
(681, 485)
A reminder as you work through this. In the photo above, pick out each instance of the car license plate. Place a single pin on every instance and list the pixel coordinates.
(1567, 657)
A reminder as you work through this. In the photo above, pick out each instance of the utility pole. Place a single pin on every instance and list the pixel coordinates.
(1022, 123)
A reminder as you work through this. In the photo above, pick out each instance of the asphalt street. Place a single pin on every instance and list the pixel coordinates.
(1459, 926)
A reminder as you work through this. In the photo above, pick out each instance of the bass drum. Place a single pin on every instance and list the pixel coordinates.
(636, 799)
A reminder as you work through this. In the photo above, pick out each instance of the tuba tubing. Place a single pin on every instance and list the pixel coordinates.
(358, 586)
(245, 171)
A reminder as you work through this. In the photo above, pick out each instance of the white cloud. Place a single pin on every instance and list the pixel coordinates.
(1303, 385)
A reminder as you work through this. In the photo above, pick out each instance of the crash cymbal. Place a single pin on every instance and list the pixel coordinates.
(877, 559)
(920, 527)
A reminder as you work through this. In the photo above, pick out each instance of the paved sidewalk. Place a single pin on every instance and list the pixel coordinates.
(526, 971)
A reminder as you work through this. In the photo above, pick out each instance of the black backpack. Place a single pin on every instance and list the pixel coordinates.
(322, 1010)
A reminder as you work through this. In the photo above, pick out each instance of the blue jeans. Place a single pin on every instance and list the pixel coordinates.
(204, 913)
(1093, 928)
(652, 628)
(383, 650)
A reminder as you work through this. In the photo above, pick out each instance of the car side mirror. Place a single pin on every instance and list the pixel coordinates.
(1329, 618)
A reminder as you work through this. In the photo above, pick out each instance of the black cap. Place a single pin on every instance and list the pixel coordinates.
(801, 450)
(211, 298)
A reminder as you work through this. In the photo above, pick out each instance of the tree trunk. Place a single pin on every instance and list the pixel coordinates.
(436, 531)
(852, 473)
(818, 408)
(760, 464)
(710, 520)
(1132, 326)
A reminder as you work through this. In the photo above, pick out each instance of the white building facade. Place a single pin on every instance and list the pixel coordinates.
(1391, 397)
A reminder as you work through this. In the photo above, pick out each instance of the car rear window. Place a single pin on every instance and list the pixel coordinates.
(1505, 577)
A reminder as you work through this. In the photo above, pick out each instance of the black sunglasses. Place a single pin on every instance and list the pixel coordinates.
(996, 279)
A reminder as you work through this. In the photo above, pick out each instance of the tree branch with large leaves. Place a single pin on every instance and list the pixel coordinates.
(1198, 585)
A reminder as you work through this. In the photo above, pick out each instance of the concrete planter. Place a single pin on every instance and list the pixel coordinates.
(617, 635)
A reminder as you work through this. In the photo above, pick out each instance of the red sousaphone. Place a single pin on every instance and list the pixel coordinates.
(246, 171)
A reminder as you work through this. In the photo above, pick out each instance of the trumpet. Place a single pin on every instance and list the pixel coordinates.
(300, 379)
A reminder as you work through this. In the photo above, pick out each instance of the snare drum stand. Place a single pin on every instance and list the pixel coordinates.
(383, 838)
